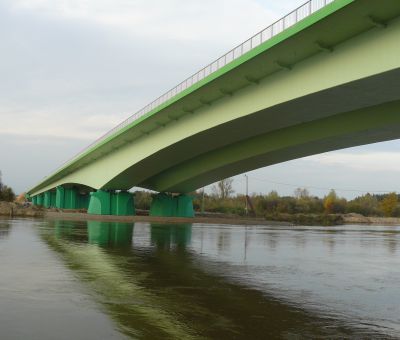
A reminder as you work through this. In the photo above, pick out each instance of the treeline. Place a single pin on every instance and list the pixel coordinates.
(6, 193)
(304, 203)
(300, 203)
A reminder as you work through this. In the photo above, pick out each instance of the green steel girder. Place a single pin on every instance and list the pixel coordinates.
(342, 65)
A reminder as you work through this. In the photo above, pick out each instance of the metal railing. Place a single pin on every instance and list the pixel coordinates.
(266, 34)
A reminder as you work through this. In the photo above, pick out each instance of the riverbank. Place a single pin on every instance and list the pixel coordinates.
(10, 209)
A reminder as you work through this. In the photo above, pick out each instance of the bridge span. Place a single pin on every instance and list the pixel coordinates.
(325, 77)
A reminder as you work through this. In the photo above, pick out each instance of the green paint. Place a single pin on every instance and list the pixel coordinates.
(162, 205)
(47, 199)
(111, 203)
(83, 201)
(100, 203)
(34, 200)
(40, 200)
(60, 197)
(53, 196)
(71, 198)
(166, 205)
(122, 204)
(184, 206)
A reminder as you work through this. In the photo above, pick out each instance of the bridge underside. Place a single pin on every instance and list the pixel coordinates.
(248, 143)
(300, 97)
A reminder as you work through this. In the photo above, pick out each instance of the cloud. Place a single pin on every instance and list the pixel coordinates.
(190, 20)
(77, 68)
(382, 161)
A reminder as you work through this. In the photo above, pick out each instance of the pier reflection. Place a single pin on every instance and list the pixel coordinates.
(176, 236)
(111, 234)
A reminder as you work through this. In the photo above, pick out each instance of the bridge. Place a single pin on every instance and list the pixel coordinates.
(324, 77)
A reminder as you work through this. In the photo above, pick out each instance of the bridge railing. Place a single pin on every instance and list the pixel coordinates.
(277, 27)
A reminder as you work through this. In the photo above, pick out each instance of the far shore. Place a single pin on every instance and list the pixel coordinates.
(8, 209)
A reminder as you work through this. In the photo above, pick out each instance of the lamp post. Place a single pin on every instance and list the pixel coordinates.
(247, 194)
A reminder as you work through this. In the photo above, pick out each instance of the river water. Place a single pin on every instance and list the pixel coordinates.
(106, 280)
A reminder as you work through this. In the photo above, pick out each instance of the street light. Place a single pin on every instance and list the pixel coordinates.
(247, 193)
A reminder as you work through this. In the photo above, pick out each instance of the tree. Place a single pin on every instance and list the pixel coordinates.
(6, 193)
(223, 189)
(389, 204)
(366, 205)
(333, 204)
(301, 193)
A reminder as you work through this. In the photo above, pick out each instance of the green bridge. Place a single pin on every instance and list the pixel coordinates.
(324, 77)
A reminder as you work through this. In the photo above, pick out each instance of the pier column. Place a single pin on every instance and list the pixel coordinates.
(53, 196)
(60, 197)
(111, 203)
(47, 199)
(71, 198)
(83, 201)
(122, 204)
(34, 200)
(166, 205)
(39, 199)
(100, 203)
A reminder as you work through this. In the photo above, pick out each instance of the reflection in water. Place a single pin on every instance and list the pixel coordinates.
(183, 281)
(171, 236)
(110, 233)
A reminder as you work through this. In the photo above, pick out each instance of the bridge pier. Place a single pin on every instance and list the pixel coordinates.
(166, 205)
(111, 203)
(39, 199)
(70, 198)
(47, 199)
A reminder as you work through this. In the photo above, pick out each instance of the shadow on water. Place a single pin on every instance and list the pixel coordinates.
(158, 290)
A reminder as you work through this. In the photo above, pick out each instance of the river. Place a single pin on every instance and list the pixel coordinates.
(106, 280)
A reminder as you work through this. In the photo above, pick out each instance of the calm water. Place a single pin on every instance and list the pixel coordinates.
(101, 280)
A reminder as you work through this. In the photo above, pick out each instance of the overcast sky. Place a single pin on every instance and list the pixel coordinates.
(72, 69)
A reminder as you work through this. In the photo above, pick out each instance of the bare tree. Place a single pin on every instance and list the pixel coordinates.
(301, 193)
(223, 188)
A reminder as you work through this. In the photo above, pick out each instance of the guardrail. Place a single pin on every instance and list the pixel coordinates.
(277, 27)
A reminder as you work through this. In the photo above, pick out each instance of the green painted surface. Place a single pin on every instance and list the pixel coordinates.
(47, 199)
(60, 197)
(111, 203)
(53, 196)
(100, 203)
(34, 200)
(160, 152)
(71, 198)
(83, 201)
(122, 204)
(39, 200)
(166, 205)
(162, 204)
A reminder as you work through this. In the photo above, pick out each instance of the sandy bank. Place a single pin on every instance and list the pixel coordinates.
(12, 209)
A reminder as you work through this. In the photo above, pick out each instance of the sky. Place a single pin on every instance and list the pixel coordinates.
(73, 69)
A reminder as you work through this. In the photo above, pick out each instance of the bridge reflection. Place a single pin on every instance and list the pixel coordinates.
(111, 234)
(171, 236)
